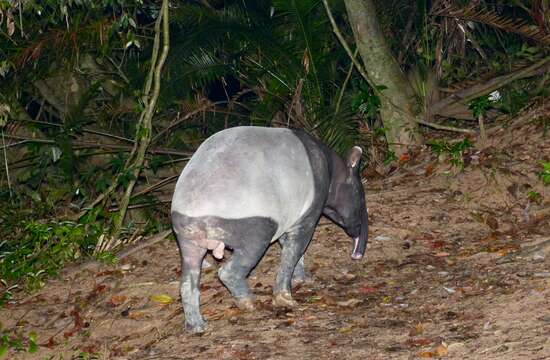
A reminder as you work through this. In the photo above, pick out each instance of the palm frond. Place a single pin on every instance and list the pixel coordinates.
(492, 18)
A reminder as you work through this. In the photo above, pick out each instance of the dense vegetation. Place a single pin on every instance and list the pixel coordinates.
(75, 83)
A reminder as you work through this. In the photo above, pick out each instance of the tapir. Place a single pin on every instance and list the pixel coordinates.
(246, 187)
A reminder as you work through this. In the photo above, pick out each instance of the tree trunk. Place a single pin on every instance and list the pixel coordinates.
(397, 100)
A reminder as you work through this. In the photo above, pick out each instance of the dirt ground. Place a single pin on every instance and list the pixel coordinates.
(452, 271)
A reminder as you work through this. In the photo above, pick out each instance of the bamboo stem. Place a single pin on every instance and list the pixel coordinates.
(6, 161)
(345, 84)
(144, 130)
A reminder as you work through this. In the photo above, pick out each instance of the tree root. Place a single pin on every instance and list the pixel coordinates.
(93, 265)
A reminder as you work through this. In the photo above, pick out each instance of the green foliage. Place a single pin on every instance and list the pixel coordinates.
(454, 150)
(366, 102)
(480, 106)
(31, 251)
(544, 174)
(534, 196)
(255, 62)
(389, 158)
(17, 343)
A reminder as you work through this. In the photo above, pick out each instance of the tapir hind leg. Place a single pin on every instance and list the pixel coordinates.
(191, 260)
(233, 273)
(294, 247)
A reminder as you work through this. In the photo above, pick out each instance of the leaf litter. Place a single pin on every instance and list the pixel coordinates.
(432, 278)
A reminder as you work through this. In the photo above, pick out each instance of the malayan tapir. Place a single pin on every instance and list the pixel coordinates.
(246, 187)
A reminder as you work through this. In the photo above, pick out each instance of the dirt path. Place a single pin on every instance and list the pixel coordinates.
(440, 279)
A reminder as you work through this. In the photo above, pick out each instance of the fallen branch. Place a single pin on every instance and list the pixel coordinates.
(184, 118)
(156, 185)
(444, 127)
(464, 96)
(142, 205)
(87, 145)
(89, 131)
(93, 264)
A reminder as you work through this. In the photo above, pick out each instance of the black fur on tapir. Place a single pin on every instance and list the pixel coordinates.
(247, 187)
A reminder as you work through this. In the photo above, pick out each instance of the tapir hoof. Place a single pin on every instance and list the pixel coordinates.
(246, 304)
(284, 300)
(198, 328)
(305, 278)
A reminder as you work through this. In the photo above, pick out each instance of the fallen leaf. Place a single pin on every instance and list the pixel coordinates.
(242, 354)
(441, 350)
(116, 300)
(345, 329)
(162, 299)
(419, 341)
(429, 170)
(50, 344)
(426, 354)
(348, 303)
(368, 290)
(491, 222)
(232, 312)
(77, 324)
(504, 250)
(438, 244)
(136, 315)
(417, 330)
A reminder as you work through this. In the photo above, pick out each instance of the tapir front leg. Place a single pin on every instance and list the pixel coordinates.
(191, 260)
(294, 247)
(300, 274)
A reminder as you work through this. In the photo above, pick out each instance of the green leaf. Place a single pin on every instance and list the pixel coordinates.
(33, 347)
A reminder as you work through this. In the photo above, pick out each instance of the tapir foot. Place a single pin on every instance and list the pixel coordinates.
(304, 278)
(246, 304)
(195, 328)
(284, 299)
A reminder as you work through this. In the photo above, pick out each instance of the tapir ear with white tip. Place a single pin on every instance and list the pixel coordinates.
(354, 156)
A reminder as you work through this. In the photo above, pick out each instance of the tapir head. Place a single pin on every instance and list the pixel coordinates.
(346, 203)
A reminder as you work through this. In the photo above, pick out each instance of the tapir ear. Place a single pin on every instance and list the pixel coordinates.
(354, 156)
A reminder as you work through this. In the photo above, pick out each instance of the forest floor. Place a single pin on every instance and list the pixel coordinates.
(451, 271)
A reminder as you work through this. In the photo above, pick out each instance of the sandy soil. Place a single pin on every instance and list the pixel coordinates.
(451, 272)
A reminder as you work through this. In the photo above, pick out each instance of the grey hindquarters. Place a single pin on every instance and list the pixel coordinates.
(248, 172)
(249, 238)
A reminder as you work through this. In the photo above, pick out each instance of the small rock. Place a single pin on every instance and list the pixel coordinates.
(382, 238)
(126, 267)
(491, 222)
(348, 303)
(455, 347)
(430, 267)
(443, 273)
(487, 326)
(544, 274)
(449, 290)
(539, 256)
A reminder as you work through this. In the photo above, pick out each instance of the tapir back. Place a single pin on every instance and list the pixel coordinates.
(246, 172)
